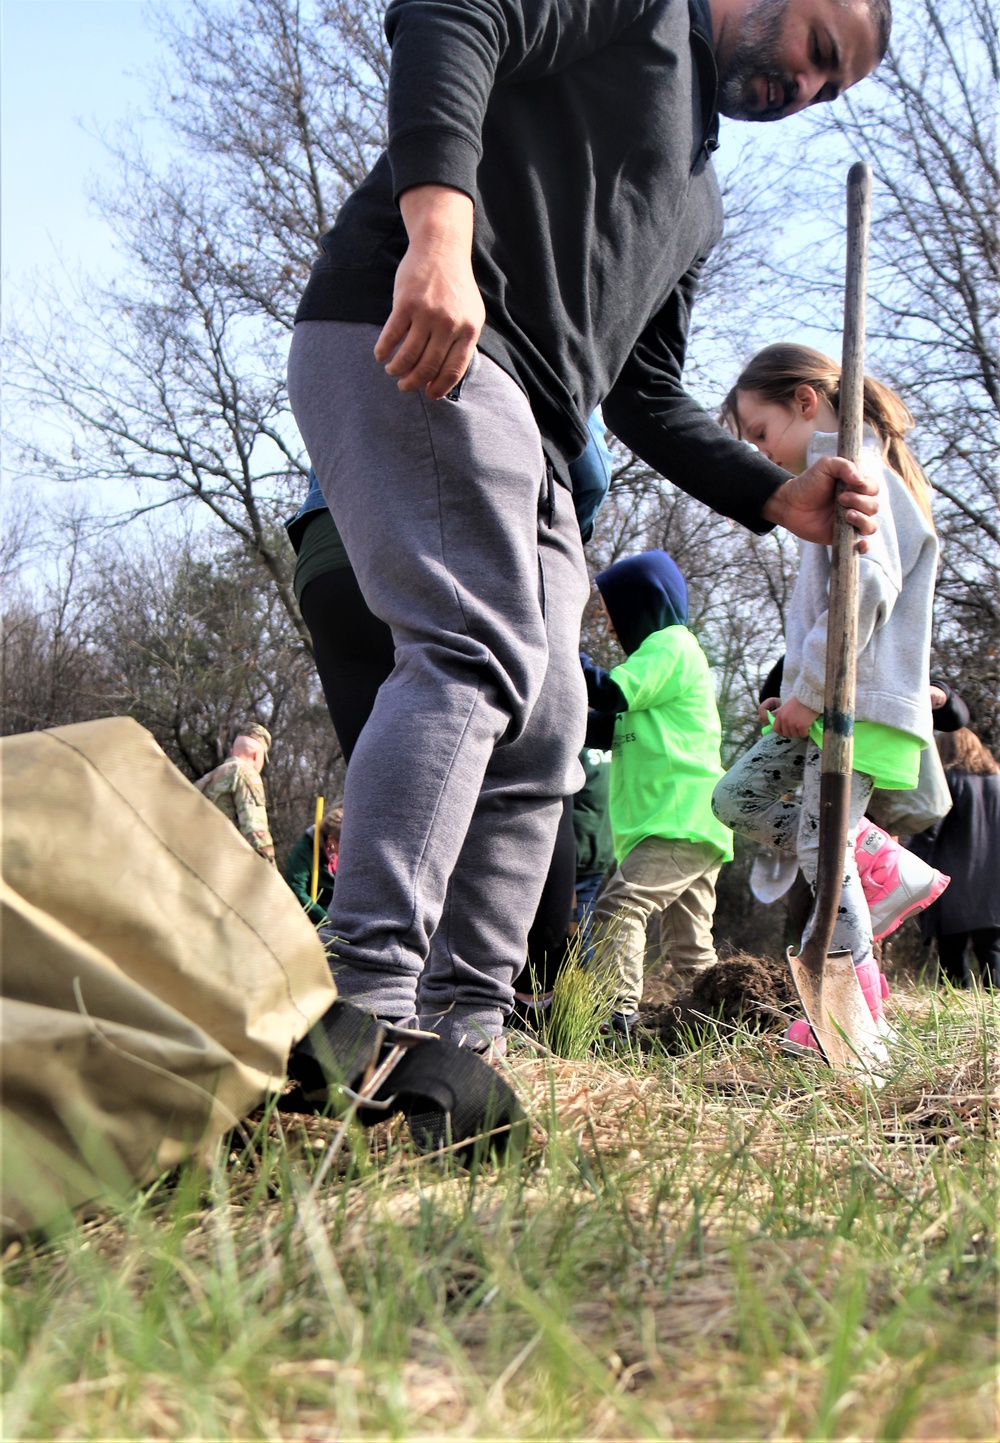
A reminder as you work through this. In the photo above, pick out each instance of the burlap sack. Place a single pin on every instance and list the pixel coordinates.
(155, 970)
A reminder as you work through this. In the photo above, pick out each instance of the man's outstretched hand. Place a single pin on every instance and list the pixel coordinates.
(804, 505)
(437, 311)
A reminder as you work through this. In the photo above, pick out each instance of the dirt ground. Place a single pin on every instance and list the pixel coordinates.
(756, 991)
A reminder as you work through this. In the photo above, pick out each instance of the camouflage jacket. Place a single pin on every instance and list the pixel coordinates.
(238, 791)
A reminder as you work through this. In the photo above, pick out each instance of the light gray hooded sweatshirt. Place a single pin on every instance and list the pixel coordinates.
(895, 606)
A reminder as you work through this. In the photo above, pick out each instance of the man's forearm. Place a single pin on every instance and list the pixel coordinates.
(670, 432)
(439, 221)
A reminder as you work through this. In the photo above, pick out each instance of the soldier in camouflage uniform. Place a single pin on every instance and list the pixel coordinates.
(237, 790)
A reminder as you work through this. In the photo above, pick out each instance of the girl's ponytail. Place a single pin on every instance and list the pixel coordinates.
(891, 418)
(776, 372)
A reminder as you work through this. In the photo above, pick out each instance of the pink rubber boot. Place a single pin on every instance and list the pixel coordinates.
(799, 1037)
(874, 986)
(896, 883)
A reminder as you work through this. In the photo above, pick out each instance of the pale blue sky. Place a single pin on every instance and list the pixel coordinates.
(70, 69)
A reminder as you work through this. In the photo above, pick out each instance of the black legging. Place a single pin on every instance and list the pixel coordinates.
(985, 948)
(353, 650)
(354, 654)
(547, 938)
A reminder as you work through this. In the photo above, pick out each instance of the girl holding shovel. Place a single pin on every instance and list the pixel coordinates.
(785, 403)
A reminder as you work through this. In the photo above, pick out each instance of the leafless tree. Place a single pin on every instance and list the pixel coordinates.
(52, 671)
(172, 377)
(187, 636)
(198, 644)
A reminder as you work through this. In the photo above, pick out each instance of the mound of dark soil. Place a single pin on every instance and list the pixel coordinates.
(756, 992)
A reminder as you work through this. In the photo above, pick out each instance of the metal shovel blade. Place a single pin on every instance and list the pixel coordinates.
(838, 1014)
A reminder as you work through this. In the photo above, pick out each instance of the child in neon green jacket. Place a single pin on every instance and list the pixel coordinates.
(665, 765)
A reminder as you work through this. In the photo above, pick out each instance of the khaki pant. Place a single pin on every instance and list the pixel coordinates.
(673, 877)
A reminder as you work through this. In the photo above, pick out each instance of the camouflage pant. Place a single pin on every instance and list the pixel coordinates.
(759, 798)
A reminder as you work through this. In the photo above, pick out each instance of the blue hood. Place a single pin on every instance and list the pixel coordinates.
(643, 594)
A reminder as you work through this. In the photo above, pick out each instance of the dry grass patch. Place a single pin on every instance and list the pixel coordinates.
(720, 1243)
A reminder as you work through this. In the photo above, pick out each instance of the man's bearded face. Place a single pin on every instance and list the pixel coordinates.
(753, 82)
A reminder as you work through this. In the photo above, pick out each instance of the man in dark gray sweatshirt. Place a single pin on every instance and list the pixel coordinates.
(528, 247)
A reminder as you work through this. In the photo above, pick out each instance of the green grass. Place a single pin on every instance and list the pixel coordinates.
(723, 1244)
(582, 1000)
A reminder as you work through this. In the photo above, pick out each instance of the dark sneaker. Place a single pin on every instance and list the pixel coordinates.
(620, 1026)
(530, 1013)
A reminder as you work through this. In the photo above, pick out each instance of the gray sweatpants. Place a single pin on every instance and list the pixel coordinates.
(472, 556)
(758, 798)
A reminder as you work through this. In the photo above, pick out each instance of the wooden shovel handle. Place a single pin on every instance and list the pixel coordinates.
(842, 630)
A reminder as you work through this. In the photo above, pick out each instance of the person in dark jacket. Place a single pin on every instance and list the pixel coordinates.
(950, 711)
(595, 843)
(529, 245)
(298, 868)
(966, 844)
